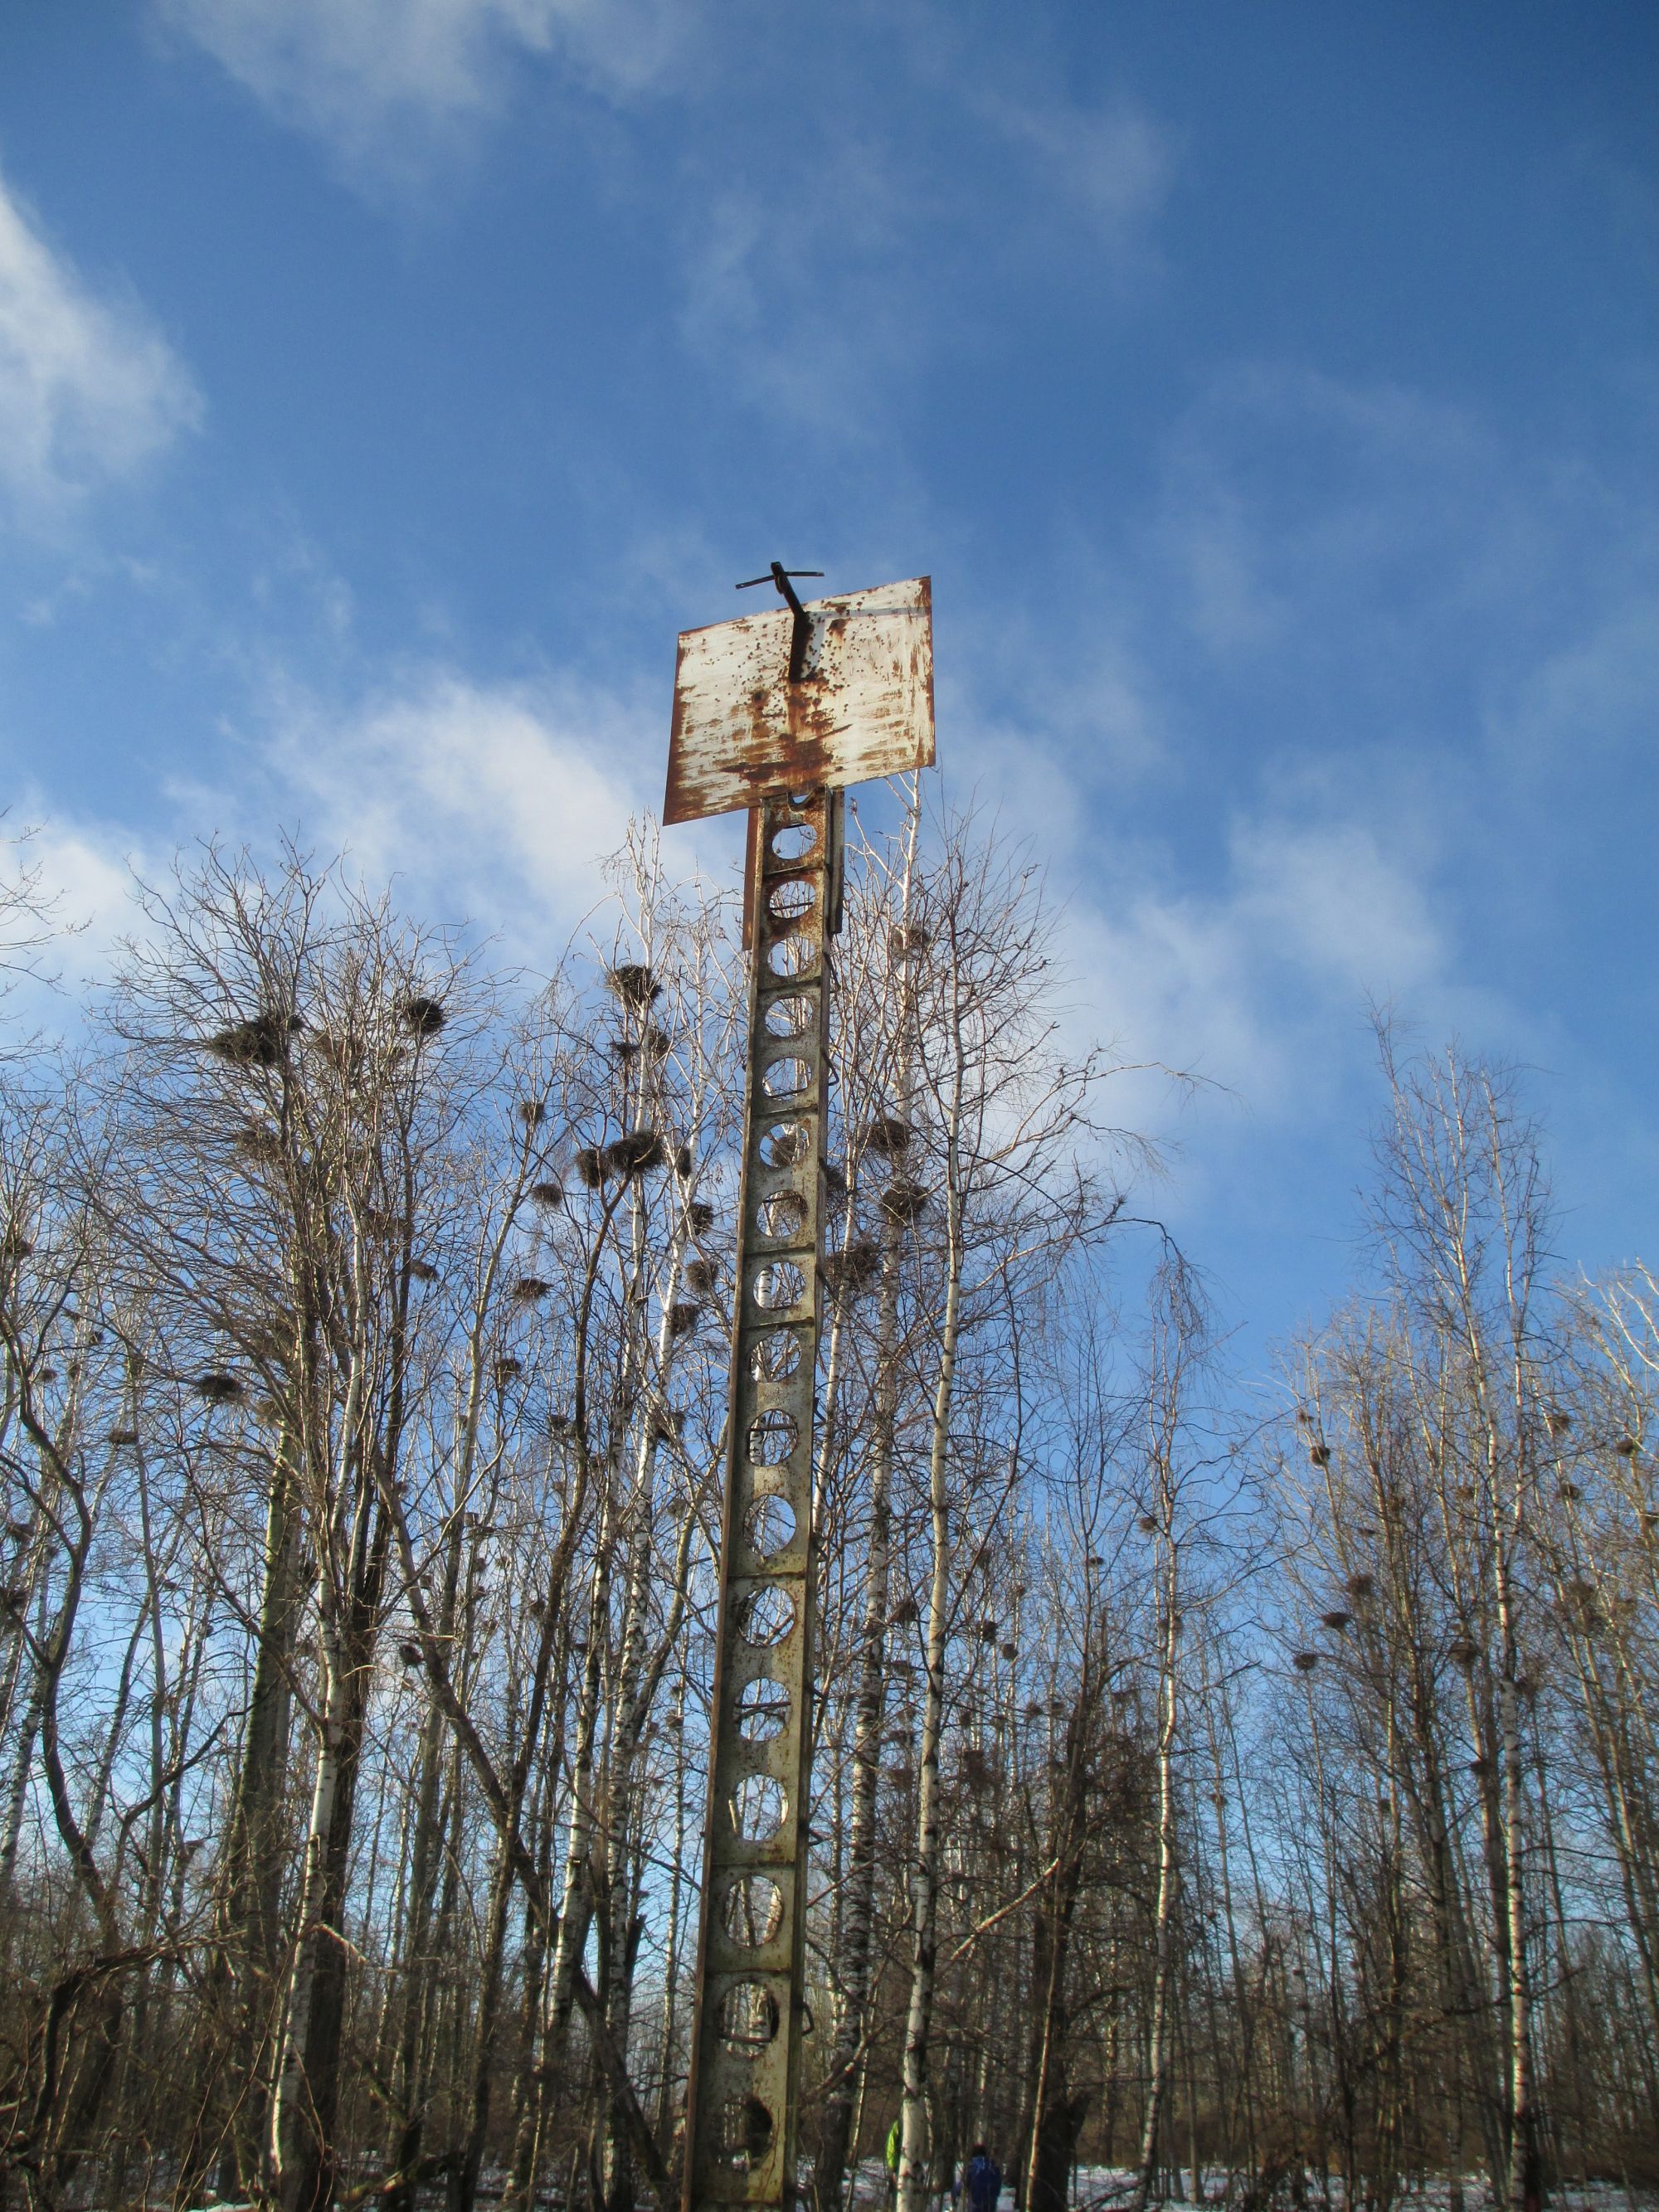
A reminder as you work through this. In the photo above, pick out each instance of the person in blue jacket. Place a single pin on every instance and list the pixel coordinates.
(982, 2182)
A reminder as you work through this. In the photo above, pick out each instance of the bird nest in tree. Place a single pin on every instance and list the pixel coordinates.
(635, 1152)
(262, 1040)
(632, 982)
(904, 1202)
(425, 1016)
(849, 1272)
(887, 1133)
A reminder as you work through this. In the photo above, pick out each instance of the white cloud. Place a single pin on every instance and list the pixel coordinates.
(89, 390)
(1114, 164)
(492, 804)
(359, 73)
(1259, 987)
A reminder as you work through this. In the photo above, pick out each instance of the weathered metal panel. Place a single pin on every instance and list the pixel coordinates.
(863, 705)
(742, 2098)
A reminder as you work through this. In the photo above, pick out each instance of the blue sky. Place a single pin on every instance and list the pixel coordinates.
(1271, 392)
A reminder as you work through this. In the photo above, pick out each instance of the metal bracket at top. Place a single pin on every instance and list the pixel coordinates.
(801, 635)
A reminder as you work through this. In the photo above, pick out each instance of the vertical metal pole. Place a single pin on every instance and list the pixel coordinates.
(742, 2097)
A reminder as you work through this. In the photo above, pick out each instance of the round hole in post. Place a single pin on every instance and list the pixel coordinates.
(758, 1806)
(793, 955)
(765, 1616)
(762, 1712)
(769, 1524)
(779, 1285)
(794, 840)
(792, 900)
(783, 1214)
(747, 2018)
(784, 1078)
(775, 1356)
(771, 1440)
(743, 2133)
(788, 1016)
(752, 1910)
(784, 1145)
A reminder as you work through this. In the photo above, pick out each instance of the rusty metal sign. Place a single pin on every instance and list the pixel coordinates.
(842, 693)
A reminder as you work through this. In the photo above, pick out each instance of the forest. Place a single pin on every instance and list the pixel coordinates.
(1255, 1795)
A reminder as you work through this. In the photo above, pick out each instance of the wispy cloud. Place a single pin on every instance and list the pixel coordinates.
(89, 390)
(363, 76)
(1113, 164)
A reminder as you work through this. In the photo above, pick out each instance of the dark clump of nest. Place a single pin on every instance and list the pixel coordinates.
(835, 1178)
(530, 1290)
(561, 1424)
(700, 1217)
(506, 1370)
(1463, 1651)
(658, 1042)
(260, 1041)
(888, 1134)
(425, 1016)
(1320, 1455)
(1571, 1493)
(904, 1202)
(976, 1767)
(124, 1436)
(532, 1112)
(422, 1271)
(1010, 1652)
(258, 1142)
(906, 1613)
(683, 1317)
(218, 1388)
(343, 1052)
(1556, 1421)
(549, 1196)
(590, 1167)
(623, 1047)
(1304, 1662)
(989, 1632)
(1034, 1709)
(908, 937)
(1361, 1585)
(682, 1160)
(700, 1276)
(632, 982)
(1337, 1620)
(1147, 1524)
(854, 1270)
(409, 1654)
(15, 1244)
(667, 1424)
(635, 1152)
(1626, 1447)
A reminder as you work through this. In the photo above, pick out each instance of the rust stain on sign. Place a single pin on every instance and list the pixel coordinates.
(862, 708)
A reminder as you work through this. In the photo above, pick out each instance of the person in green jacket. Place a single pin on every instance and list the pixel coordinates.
(895, 2148)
